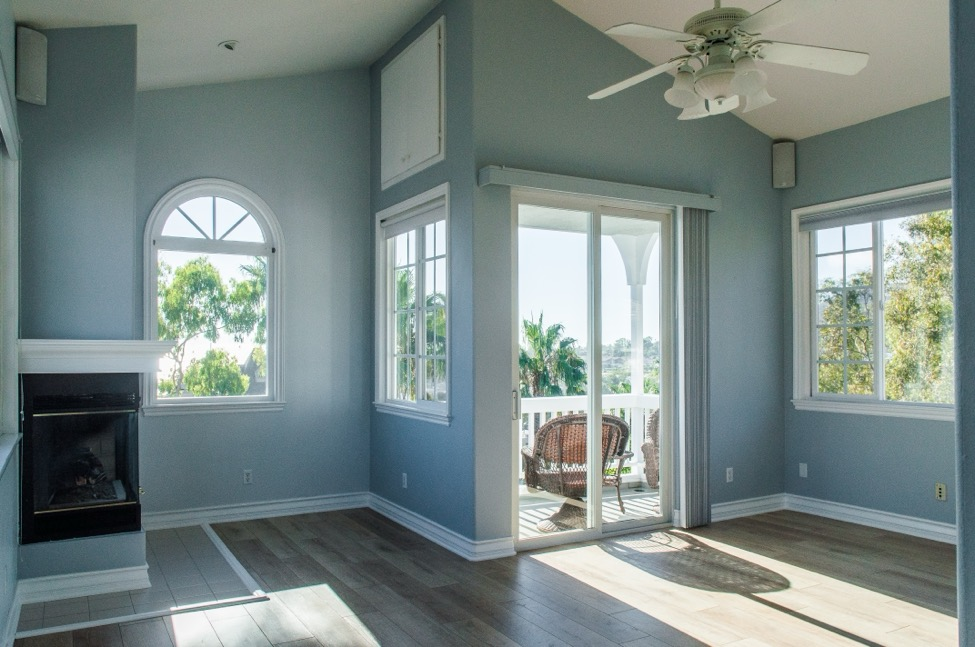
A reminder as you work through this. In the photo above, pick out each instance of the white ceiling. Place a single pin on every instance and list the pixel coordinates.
(177, 45)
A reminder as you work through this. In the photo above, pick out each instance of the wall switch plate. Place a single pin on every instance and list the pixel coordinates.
(803, 471)
(404, 480)
(940, 491)
(729, 475)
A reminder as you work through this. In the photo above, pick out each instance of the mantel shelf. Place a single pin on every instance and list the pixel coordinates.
(91, 355)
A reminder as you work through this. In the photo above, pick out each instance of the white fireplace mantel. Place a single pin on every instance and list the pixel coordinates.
(91, 355)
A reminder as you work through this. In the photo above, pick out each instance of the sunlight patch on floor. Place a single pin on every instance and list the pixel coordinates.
(721, 594)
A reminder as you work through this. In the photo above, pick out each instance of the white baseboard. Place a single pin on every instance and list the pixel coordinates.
(747, 507)
(469, 549)
(247, 511)
(74, 585)
(452, 541)
(914, 526)
(13, 617)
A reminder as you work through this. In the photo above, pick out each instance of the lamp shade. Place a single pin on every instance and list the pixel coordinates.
(748, 79)
(681, 94)
(713, 82)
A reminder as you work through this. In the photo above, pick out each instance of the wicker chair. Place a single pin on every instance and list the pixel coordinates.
(651, 450)
(557, 462)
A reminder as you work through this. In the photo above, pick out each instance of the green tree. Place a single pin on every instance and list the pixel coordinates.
(918, 311)
(194, 302)
(216, 374)
(191, 304)
(917, 319)
(548, 362)
(246, 312)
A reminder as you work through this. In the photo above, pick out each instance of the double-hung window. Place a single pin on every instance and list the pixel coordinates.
(213, 288)
(873, 304)
(412, 308)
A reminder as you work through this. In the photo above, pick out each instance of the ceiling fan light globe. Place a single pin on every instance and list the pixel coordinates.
(723, 105)
(696, 111)
(757, 100)
(748, 79)
(681, 98)
(714, 84)
(681, 94)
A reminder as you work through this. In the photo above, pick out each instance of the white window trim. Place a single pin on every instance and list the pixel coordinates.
(435, 412)
(803, 397)
(274, 399)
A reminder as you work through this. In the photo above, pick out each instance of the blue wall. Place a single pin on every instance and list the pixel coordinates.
(506, 84)
(298, 143)
(529, 112)
(78, 272)
(437, 458)
(96, 160)
(882, 463)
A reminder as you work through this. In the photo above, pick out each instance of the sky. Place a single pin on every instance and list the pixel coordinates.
(552, 280)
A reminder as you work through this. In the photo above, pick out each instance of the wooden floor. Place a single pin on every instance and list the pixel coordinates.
(355, 578)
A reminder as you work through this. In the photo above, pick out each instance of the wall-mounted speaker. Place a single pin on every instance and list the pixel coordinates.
(31, 66)
(783, 165)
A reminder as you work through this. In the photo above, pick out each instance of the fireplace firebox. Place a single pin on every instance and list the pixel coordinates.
(80, 455)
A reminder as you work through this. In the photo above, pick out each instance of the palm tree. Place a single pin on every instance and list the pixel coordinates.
(548, 363)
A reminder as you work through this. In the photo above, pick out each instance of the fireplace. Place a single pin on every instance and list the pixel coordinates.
(80, 465)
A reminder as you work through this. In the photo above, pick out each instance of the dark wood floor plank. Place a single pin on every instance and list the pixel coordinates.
(357, 578)
(386, 632)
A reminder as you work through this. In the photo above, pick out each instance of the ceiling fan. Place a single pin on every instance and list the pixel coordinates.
(723, 44)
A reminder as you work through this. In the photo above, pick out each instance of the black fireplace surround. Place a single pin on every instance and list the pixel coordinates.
(80, 455)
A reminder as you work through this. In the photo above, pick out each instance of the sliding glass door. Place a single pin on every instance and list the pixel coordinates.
(593, 362)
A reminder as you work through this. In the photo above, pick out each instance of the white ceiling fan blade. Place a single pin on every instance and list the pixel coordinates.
(824, 59)
(639, 78)
(648, 31)
(780, 13)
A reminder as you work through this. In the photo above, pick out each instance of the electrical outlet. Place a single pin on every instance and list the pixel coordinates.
(729, 475)
(404, 480)
(940, 491)
(248, 477)
(803, 471)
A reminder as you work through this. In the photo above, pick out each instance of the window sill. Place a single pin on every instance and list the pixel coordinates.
(439, 418)
(177, 409)
(873, 408)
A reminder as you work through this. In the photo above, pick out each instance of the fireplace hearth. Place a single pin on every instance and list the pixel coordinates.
(79, 455)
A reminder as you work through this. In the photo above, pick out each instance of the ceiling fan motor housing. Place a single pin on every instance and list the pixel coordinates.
(715, 23)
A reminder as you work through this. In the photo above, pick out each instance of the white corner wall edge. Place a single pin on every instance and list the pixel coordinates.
(444, 537)
(913, 526)
(469, 549)
(248, 511)
(74, 585)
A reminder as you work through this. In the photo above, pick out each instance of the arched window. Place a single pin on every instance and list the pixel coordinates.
(213, 286)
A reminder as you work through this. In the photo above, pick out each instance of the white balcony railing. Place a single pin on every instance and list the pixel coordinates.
(633, 408)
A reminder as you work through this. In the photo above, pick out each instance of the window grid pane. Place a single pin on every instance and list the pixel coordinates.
(419, 321)
(907, 325)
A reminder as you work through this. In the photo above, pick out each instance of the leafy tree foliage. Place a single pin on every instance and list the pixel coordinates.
(216, 374)
(194, 303)
(549, 363)
(918, 334)
(918, 312)
(616, 366)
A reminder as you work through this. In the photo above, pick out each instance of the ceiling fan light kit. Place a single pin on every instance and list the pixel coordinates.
(723, 45)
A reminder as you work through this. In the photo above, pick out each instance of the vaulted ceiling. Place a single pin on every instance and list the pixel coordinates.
(178, 45)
